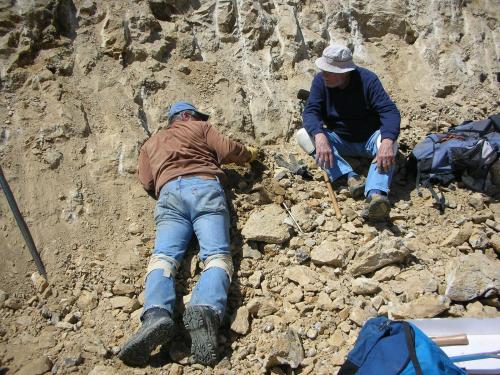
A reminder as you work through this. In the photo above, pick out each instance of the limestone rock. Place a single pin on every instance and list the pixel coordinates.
(286, 349)
(87, 301)
(476, 200)
(364, 286)
(359, 316)
(329, 252)
(266, 225)
(38, 366)
(3, 297)
(103, 370)
(305, 216)
(458, 236)
(471, 276)
(121, 289)
(324, 302)
(39, 282)
(302, 275)
(240, 321)
(52, 158)
(478, 240)
(495, 242)
(120, 302)
(426, 306)
(373, 257)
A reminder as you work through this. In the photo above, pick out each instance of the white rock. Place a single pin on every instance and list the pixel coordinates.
(240, 321)
(266, 225)
(364, 286)
(470, 276)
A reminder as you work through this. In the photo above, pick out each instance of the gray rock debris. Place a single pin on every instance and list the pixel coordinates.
(471, 276)
(286, 349)
(377, 254)
(267, 226)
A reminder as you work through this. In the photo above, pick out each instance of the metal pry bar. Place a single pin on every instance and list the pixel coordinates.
(294, 221)
(22, 224)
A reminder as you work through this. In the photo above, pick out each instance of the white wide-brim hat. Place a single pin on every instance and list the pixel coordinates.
(336, 59)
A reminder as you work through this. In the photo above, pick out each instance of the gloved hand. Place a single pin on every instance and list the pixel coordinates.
(253, 152)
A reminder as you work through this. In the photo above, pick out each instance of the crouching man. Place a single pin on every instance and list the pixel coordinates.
(180, 166)
(349, 114)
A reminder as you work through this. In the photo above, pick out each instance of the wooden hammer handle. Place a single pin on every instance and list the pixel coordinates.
(331, 193)
(451, 340)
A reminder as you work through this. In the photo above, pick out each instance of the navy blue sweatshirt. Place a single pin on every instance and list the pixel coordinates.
(355, 112)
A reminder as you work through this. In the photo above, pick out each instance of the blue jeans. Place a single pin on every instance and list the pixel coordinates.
(375, 179)
(187, 205)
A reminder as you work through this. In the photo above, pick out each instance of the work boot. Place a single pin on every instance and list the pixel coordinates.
(156, 329)
(202, 324)
(356, 185)
(378, 208)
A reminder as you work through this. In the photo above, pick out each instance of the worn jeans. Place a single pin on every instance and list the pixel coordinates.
(340, 147)
(187, 205)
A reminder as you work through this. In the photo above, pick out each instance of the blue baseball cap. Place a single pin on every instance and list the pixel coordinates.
(185, 106)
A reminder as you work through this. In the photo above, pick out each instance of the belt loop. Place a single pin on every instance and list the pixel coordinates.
(217, 178)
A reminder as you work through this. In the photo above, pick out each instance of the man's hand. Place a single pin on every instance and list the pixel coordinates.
(385, 155)
(254, 151)
(324, 155)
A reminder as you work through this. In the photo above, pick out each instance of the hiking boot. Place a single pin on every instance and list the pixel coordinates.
(156, 329)
(378, 208)
(356, 185)
(202, 324)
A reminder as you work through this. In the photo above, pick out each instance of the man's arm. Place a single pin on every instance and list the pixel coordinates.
(312, 117)
(390, 120)
(380, 101)
(228, 151)
(144, 173)
(313, 122)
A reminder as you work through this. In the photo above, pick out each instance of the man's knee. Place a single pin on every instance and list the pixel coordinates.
(163, 262)
(222, 261)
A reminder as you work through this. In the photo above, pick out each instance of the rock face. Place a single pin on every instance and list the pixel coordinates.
(472, 276)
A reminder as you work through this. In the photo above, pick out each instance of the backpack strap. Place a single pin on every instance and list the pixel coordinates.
(410, 342)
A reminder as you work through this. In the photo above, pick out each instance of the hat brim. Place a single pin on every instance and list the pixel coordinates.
(340, 67)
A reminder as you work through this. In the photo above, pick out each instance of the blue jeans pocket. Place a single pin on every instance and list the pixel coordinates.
(210, 197)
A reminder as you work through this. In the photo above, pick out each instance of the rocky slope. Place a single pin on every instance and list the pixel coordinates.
(84, 83)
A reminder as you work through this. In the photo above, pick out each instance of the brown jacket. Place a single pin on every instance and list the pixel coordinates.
(186, 148)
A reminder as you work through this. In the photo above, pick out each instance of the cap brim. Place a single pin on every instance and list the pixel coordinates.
(343, 68)
(202, 116)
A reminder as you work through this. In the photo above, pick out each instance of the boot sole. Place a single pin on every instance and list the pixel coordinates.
(203, 336)
(137, 350)
(379, 211)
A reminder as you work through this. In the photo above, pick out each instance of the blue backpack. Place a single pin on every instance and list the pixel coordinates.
(389, 347)
(466, 150)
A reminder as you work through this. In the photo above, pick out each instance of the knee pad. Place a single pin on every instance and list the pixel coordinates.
(220, 261)
(163, 262)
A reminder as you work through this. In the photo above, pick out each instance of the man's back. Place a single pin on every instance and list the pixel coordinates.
(186, 148)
